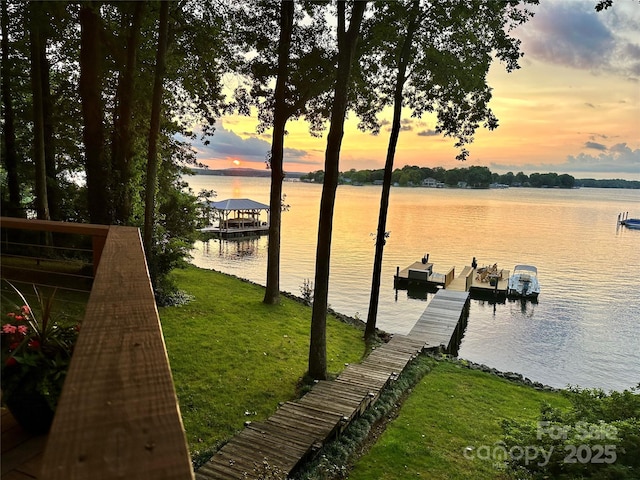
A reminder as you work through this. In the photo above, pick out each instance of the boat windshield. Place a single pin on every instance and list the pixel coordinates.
(525, 269)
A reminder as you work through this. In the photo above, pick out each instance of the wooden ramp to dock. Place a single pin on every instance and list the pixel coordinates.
(301, 427)
(437, 324)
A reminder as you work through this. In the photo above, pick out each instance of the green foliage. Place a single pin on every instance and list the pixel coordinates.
(598, 437)
(316, 177)
(306, 290)
(473, 176)
(610, 183)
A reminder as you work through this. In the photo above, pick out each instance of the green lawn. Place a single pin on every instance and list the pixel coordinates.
(234, 358)
(452, 408)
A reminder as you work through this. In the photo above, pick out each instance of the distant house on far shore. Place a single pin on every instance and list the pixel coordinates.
(430, 182)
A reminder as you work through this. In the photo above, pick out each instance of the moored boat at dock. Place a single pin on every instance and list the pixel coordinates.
(524, 282)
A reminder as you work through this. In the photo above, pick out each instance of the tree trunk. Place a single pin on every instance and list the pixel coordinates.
(9, 155)
(53, 190)
(403, 62)
(36, 46)
(122, 150)
(99, 195)
(347, 41)
(154, 130)
(280, 117)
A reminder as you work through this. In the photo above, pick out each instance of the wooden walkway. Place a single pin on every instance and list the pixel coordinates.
(301, 427)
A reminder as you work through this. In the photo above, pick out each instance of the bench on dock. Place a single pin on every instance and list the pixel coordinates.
(421, 275)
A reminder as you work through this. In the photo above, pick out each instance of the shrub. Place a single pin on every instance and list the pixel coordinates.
(598, 437)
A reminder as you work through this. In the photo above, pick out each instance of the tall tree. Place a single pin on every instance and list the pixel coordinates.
(121, 145)
(402, 62)
(439, 54)
(38, 47)
(96, 168)
(10, 155)
(280, 116)
(53, 197)
(298, 61)
(154, 130)
(347, 42)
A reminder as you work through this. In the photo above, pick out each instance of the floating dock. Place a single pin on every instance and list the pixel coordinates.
(228, 233)
(480, 282)
(422, 274)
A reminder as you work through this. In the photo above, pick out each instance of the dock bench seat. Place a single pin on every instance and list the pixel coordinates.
(419, 274)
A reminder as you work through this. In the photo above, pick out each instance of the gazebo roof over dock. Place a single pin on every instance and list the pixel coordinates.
(238, 204)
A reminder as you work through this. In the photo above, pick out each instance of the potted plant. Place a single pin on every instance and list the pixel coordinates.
(36, 352)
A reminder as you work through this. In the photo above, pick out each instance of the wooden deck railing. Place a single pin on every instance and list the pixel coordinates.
(118, 416)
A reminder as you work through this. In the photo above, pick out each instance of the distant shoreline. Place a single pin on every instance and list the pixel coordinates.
(242, 172)
(253, 172)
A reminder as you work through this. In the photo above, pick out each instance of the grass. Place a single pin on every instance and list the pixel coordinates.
(451, 409)
(233, 358)
(68, 306)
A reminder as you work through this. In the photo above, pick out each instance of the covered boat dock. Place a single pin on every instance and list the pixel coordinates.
(238, 217)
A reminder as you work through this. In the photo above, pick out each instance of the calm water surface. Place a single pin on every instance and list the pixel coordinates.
(585, 328)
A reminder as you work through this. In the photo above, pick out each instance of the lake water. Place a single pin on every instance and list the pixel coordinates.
(585, 328)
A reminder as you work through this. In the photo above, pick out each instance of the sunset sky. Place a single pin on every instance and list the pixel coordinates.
(573, 107)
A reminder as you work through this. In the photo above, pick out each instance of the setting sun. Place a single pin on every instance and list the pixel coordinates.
(236, 162)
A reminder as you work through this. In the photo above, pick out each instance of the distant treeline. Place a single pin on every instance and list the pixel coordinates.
(472, 177)
(613, 183)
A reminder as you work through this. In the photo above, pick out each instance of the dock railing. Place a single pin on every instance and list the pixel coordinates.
(449, 276)
(118, 416)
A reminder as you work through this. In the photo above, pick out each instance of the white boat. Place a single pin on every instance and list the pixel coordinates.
(523, 282)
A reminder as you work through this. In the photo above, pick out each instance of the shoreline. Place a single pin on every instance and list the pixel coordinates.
(384, 336)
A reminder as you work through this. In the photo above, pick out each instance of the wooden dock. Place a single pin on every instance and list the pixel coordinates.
(436, 325)
(420, 273)
(300, 428)
(469, 280)
(231, 233)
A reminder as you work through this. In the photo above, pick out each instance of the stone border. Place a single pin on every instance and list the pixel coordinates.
(510, 376)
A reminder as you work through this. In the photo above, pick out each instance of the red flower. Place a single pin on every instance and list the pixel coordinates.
(8, 328)
(14, 345)
(25, 310)
(11, 314)
(19, 318)
(34, 344)
(10, 362)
